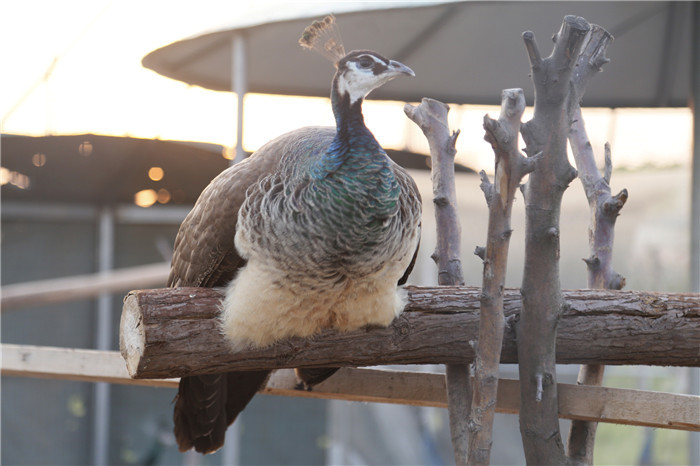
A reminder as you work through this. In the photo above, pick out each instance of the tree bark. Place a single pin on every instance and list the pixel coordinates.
(604, 209)
(431, 117)
(542, 299)
(174, 332)
(510, 167)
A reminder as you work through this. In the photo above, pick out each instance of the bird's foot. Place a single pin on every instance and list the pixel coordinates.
(301, 386)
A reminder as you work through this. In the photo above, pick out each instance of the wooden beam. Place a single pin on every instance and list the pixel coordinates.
(57, 290)
(70, 364)
(174, 332)
(613, 405)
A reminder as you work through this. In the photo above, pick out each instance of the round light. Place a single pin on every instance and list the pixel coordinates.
(163, 196)
(229, 153)
(38, 159)
(145, 198)
(5, 176)
(156, 173)
(85, 149)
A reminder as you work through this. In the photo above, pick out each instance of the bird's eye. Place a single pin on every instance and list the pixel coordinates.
(365, 62)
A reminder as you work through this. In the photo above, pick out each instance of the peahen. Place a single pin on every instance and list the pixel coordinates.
(325, 225)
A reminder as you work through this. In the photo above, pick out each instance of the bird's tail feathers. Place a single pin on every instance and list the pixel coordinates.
(207, 404)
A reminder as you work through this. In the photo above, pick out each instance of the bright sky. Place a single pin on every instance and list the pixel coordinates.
(92, 49)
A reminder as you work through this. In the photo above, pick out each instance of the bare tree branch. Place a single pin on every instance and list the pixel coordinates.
(431, 117)
(604, 208)
(510, 167)
(542, 298)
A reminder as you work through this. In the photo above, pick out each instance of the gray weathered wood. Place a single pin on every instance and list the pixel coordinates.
(547, 134)
(604, 209)
(510, 167)
(56, 290)
(174, 332)
(431, 117)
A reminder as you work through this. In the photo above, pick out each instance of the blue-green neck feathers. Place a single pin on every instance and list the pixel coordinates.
(355, 174)
(353, 144)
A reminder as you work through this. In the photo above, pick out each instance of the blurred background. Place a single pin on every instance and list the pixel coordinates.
(102, 157)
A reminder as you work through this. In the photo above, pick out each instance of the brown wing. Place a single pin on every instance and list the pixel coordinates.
(410, 208)
(204, 253)
(205, 256)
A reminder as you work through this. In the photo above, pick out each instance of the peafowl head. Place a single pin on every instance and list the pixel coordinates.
(362, 71)
(358, 72)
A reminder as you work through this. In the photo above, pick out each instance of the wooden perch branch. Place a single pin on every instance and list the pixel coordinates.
(511, 167)
(174, 332)
(431, 117)
(604, 209)
(542, 298)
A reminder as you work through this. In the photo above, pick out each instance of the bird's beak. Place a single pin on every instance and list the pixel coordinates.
(400, 68)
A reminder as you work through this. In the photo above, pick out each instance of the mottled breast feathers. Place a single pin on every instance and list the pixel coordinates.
(341, 220)
(217, 263)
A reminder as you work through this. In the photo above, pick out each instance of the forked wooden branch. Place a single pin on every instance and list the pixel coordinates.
(510, 167)
(173, 332)
(542, 298)
(431, 117)
(604, 209)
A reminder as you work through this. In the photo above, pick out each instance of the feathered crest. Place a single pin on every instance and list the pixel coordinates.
(324, 37)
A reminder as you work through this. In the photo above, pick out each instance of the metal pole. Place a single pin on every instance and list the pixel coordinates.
(103, 341)
(239, 86)
(695, 188)
(694, 385)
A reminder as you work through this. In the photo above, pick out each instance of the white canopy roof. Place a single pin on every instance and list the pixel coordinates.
(462, 52)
